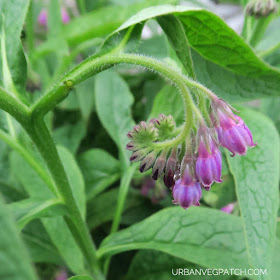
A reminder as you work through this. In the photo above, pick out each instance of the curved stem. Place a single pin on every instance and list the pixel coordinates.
(95, 65)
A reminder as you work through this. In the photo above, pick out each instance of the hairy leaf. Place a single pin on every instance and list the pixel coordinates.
(99, 22)
(221, 57)
(256, 177)
(203, 236)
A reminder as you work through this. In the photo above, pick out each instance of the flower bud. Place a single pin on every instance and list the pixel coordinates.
(165, 126)
(159, 166)
(170, 169)
(187, 191)
(147, 162)
(261, 8)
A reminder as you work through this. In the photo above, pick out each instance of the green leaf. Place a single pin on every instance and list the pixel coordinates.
(156, 47)
(40, 247)
(99, 22)
(200, 235)
(270, 107)
(169, 102)
(15, 262)
(33, 208)
(175, 32)
(70, 136)
(220, 56)
(14, 12)
(100, 170)
(56, 227)
(113, 105)
(75, 178)
(164, 267)
(102, 208)
(256, 177)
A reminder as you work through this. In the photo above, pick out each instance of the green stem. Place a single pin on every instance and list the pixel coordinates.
(30, 159)
(40, 135)
(125, 183)
(258, 30)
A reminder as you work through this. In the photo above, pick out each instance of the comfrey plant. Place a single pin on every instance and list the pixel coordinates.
(69, 173)
(188, 156)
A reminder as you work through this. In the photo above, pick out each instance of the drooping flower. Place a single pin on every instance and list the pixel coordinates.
(232, 132)
(187, 191)
(209, 163)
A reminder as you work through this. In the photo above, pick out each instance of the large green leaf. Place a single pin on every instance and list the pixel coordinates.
(56, 227)
(113, 105)
(221, 57)
(100, 170)
(164, 267)
(15, 262)
(203, 236)
(256, 177)
(99, 22)
(14, 13)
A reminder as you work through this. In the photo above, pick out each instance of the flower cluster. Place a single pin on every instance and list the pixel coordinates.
(194, 161)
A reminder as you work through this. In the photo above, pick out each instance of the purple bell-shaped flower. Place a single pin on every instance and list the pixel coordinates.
(234, 135)
(209, 163)
(187, 191)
